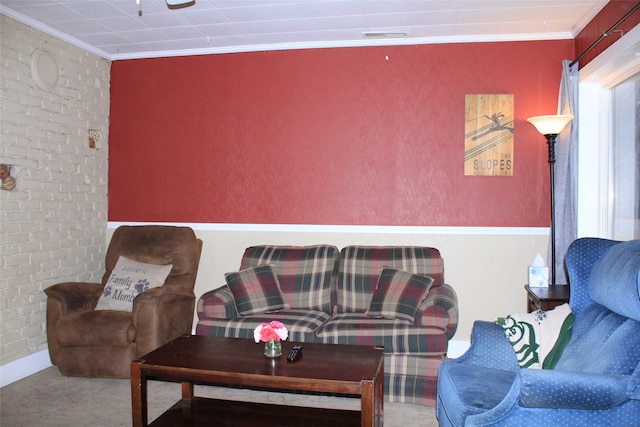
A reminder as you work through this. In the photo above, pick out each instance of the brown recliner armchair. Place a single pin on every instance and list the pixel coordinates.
(84, 342)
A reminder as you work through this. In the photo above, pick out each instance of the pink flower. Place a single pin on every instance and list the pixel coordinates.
(273, 330)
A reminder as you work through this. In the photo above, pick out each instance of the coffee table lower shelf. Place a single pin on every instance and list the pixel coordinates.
(200, 411)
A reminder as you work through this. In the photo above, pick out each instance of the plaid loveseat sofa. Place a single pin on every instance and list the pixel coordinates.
(328, 299)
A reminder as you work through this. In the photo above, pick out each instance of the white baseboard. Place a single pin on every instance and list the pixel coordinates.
(22, 368)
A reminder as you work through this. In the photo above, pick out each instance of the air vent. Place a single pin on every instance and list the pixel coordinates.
(385, 34)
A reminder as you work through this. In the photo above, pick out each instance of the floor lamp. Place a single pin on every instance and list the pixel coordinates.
(550, 127)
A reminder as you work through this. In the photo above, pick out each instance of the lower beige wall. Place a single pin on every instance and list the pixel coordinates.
(486, 266)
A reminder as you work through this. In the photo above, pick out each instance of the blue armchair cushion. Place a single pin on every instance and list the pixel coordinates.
(603, 342)
(472, 389)
(633, 388)
(571, 390)
(615, 280)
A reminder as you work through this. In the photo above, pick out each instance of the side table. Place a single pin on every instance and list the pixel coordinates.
(546, 298)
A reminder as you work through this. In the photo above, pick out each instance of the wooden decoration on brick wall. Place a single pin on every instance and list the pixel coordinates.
(8, 182)
(488, 135)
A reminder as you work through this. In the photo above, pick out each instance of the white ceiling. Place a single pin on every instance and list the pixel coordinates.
(113, 29)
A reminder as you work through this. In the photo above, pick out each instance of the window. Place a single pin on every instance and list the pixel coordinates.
(609, 142)
(624, 169)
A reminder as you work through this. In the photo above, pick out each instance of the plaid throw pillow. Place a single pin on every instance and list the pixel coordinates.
(256, 290)
(360, 268)
(399, 294)
(306, 274)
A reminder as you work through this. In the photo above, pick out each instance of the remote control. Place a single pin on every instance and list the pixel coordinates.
(294, 353)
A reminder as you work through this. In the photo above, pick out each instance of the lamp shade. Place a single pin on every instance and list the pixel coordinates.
(550, 125)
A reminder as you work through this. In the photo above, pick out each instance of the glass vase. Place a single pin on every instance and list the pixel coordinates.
(272, 348)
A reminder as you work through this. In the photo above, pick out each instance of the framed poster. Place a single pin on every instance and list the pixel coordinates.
(488, 135)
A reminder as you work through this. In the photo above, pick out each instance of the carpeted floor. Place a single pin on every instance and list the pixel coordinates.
(50, 399)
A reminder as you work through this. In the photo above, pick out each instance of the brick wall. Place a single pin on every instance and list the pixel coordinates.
(52, 225)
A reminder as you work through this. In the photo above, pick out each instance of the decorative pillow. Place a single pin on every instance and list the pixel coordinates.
(256, 290)
(307, 274)
(398, 294)
(539, 338)
(128, 279)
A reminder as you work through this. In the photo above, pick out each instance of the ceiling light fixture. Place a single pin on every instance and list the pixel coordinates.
(179, 4)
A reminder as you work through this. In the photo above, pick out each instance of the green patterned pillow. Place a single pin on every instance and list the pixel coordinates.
(539, 338)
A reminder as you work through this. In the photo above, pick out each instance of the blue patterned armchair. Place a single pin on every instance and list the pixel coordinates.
(596, 382)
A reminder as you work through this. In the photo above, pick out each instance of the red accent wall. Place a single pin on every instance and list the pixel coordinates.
(367, 136)
(605, 19)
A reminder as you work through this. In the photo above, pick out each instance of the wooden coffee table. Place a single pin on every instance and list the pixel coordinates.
(349, 370)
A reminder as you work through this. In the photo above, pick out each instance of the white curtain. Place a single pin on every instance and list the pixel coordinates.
(566, 170)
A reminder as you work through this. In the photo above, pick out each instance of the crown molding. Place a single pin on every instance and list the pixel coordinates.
(53, 32)
(347, 43)
(283, 46)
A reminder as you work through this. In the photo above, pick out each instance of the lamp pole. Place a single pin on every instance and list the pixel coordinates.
(551, 142)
